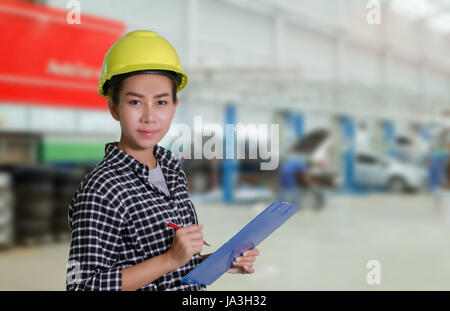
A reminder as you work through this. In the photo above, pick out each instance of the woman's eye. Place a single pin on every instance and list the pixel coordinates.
(134, 102)
(162, 102)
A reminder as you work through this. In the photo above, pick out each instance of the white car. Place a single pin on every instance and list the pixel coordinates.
(380, 171)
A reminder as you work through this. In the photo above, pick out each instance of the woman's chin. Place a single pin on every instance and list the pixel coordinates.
(147, 144)
(142, 144)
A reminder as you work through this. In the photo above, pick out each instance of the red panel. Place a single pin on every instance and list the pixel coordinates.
(45, 60)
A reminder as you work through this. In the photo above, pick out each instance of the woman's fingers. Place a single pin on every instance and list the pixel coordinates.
(252, 252)
(241, 270)
(235, 270)
(190, 228)
(244, 264)
(196, 236)
(241, 261)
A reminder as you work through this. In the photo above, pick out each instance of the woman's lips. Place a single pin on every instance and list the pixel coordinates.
(148, 133)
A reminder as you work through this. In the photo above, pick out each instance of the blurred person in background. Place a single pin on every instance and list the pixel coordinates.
(293, 165)
(437, 162)
(420, 147)
(444, 204)
(295, 182)
(439, 175)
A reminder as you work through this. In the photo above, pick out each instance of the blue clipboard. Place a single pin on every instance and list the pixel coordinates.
(247, 238)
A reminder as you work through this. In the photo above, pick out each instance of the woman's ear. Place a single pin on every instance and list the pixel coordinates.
(113, 109)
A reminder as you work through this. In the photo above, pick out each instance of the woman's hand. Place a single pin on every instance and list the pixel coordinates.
(244, 263)
(187, 242)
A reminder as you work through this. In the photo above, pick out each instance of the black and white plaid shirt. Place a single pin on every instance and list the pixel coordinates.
(118, 219)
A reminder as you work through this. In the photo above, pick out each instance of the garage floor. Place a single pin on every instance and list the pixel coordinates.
(325, 250)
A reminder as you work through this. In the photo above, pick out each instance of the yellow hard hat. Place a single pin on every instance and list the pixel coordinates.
(140, 50)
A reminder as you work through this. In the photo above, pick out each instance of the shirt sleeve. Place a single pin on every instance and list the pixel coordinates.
(95, 227)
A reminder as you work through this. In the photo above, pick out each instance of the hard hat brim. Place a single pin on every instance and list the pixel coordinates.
(176, 77)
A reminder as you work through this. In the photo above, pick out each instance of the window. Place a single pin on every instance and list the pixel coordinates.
(366, 159)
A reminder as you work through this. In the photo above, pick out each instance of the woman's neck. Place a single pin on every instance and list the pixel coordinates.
(144, 156)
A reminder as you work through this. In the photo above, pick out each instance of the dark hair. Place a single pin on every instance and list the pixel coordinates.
(116, 82)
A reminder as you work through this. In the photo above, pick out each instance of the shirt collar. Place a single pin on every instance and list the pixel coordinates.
(123, 161)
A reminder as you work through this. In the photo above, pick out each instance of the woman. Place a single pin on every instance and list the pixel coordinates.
(119, 214)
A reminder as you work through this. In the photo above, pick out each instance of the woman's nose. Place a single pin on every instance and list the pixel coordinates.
(148, 113)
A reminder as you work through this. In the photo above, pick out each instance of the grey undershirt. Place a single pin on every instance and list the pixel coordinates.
(156, 177)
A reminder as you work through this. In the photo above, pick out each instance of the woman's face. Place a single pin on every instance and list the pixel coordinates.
(145, 109)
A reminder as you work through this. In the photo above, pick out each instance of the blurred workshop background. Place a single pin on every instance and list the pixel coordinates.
(360, 91)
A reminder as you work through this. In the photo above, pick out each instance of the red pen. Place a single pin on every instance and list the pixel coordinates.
(176, 228)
